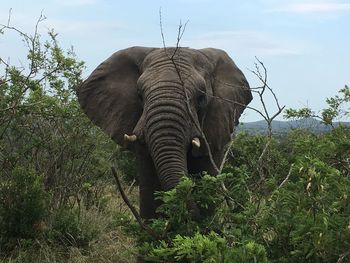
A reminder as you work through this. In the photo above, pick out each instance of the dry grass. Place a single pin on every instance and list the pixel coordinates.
(110, 245)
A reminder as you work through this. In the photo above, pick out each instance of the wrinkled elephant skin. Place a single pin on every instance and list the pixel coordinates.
(163, 106)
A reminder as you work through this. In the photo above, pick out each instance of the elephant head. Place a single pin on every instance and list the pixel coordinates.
(173, 102)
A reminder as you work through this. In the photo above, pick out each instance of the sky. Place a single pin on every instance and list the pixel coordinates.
(304, 45)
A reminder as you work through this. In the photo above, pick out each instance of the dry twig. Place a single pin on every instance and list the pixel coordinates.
(342, 256)
(287, 177)
(264, 113)
(181, 31)
(133, 210)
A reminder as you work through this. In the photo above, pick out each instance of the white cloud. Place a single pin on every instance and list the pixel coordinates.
(313, 7)
(250, 42)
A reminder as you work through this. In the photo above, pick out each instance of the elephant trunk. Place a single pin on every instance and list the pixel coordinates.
(167, 133)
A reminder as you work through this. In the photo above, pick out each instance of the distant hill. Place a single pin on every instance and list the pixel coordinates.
(282, 127)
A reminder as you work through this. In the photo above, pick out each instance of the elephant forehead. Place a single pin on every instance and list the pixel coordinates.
(166, 75)
(168, 55)
(187, 59)
(160, 67)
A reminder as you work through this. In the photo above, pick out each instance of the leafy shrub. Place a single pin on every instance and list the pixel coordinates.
(338, 107)
(297, 212)
(23, 205)
(211, 239)
(127, 165)
(52, 158)
(75, 227)
(208, 248)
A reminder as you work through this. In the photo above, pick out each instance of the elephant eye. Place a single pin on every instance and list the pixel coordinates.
(202, 100)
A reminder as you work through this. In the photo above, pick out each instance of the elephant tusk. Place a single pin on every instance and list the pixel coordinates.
(130, 138)
(196, 142)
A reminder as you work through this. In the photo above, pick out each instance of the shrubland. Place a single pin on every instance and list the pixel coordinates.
(278, 199)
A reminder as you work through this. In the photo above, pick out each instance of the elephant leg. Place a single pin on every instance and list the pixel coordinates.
(149, 184)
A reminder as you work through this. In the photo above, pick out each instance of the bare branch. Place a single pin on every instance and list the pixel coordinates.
(161, 28)
(9, 17)
(202, 133)
(261, 90)
(255, 90)
(4, 62)
(264, 113)
(263, 79)
(287, 177)
(181, 31)
(342, 256)
(133, 210)
(228, 149)
(25, 36)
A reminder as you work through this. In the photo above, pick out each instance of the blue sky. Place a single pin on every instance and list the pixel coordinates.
(305, 45)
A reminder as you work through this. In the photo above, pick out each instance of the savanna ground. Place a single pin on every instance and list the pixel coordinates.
(278, 199)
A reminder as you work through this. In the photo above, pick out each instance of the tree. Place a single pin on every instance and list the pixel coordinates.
(338, 108)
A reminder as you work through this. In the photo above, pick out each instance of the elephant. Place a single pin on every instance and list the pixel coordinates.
(175, 108)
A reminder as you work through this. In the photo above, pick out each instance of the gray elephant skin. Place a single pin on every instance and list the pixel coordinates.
(162, 104)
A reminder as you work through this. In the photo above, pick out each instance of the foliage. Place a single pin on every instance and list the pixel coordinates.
(23, 205)
(73, 227)
(338, 108)
(127, 165)
(277, 199)
(208, 248)
(298, 212)
(53, 160)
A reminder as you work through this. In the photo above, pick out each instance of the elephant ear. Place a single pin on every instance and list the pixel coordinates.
(231, 94)
(109, 95)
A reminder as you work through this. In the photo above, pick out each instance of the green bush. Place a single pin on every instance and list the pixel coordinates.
(208, 248)
(23, 205)
(52, 158)
(75, 227)
(214, 238)
(297, 212)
